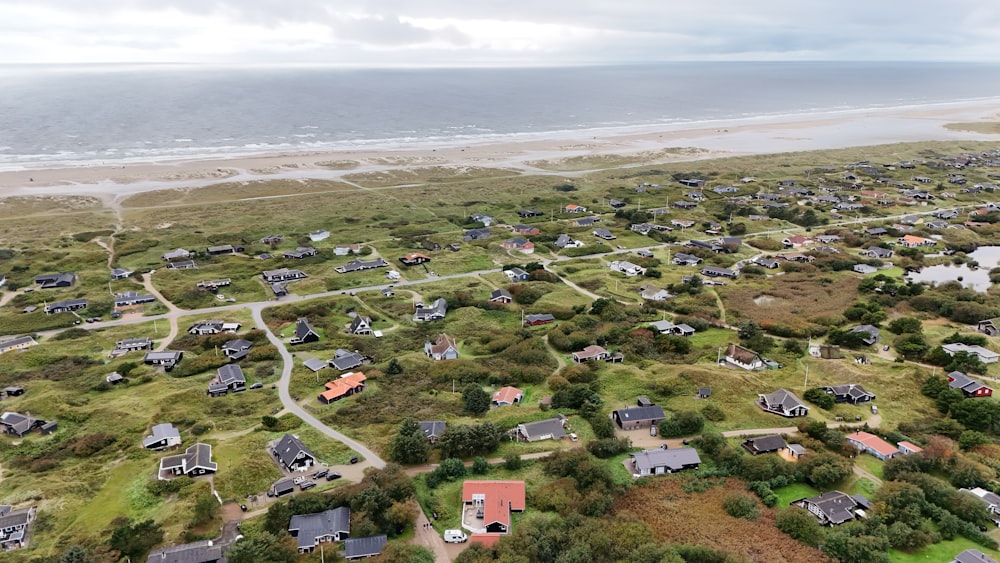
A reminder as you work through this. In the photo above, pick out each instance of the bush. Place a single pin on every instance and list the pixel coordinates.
(683, 423)
(741, 505)
(609, 447)
(820, 398)
(713, 413)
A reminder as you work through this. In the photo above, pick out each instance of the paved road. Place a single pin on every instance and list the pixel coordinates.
(286, 399)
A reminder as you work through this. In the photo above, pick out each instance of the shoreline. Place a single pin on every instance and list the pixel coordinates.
(655, 143)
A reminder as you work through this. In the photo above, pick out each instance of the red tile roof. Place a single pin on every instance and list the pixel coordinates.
(508, 395)
(911, 446)
(500, 498)
(340, 387)
(489, 540)
(873, 442)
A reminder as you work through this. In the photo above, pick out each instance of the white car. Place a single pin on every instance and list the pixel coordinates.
(455, 536)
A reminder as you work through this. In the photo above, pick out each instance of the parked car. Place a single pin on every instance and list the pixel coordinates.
(307, 485)
(333, 476)
(355, 459)
(243, 507)
(455, 536)
(257, 385)
(320, 473)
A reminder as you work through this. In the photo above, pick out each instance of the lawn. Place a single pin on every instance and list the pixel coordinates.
(791, 493)
(941, 551)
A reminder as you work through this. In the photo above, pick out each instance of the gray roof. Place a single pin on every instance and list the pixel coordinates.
(344, 359)
(288, 447)
(310, 527)
(230, 374)
(438, 309)
(675, 459)
(553, 426)
(499, 293)
(314, 364)
(973, 556)
(304, 329)
(364, 547)
(197, 552)
(783, 397)
(958, 380)
(837, 507)
(161, 432)
(433, 428)
(633, 414)
(770, 443)
(15, 342)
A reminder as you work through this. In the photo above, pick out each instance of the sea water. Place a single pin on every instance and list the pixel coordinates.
(123, 113)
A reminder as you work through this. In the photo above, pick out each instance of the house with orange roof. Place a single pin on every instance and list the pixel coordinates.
(414, 258)
(348, 384)
(574, 208)
(872, 444)
(444, 348)
(909, 448)
(487, 505)
(911, 241)
(507, 396)
(522, 245)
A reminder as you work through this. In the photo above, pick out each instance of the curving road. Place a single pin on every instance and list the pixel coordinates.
(286, 399)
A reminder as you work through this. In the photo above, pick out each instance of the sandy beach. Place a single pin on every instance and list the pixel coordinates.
(655, 144)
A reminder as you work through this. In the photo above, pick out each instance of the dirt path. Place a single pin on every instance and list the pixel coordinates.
(561, 363)
(6, 297)
(577, 288)
(429, 537)
(147, 284)
(722, 307)
(861, 472)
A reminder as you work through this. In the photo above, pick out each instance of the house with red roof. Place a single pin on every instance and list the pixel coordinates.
(909, 448)
(872, 444)
(523, 246)
(574, 208)
(347, 385)
(487, 505)
(507, 396)
(414, 258)
(911, 241)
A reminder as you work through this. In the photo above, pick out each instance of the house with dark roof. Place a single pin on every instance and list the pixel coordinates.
(282, 275)
(586, 221)
(435, 312)
(526, 230)
(237, 348)
(549, 429)
(182, 265)
(782, 402)
(764, 444)
(133, 345)
(538, 319)
(604, 234)
(969, 387)
(18, 343)
(414, 259)
(163, 436)
(300, 253)
(500, 296)
(988, 498)
(639, 416)
(360, 324)
(52, 281)
(869, 333)
(120, 274)
(715, 272)
(167, 359)
(444, 348)
(363, 548)
(516, 274)
(196, 460)
(878, 252)
(660, 461)
(347, 385)
(229, 379)
(205, 551)
(476, 234)
(682, 259)
(345, 359)
(495, 500)
(310, 530)
(526, 213)
(519, 244)
(972, 556)
(433, 429)
(360, 265)
(213, 327)
(849, 393)
(14, 527)
(834, 507)
(872, 444)
(744, 358)
(18, 424)
(65, 306)
(292, 454)
(304, 332)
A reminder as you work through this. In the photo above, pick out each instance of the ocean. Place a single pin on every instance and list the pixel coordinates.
(110, 114)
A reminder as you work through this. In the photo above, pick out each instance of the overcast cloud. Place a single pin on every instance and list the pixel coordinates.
(492, 32)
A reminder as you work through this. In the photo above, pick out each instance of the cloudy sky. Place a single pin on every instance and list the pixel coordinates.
(494, 32)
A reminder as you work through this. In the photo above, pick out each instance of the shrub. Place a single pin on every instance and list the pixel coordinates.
(741, 505)
(683, 423)
(713, 413)
(820, 398)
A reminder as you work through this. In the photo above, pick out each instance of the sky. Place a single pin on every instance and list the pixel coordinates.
(494, 32)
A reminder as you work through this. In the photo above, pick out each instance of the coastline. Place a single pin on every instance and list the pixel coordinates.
(654, 143)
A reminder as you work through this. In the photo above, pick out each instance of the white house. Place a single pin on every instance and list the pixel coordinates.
(626, 267)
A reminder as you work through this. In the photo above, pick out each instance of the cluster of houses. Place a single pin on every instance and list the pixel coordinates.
(17, 424)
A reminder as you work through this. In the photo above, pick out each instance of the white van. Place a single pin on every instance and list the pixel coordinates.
(455, 536)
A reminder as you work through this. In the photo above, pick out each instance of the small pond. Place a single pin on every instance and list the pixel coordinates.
(988, 257)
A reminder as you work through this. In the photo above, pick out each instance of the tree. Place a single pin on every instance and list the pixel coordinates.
(409, 445)
(826, 469)
(206, 509)
(394, 367)
(741, 505)
(911, 346)
(820, 398)
(269, 422)
(135, 539)
(76, 554)
(480, 466)
(971, 438)
(905, 325)
(265, 547)
(800, 525)
(683, 423)
(475, 400)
